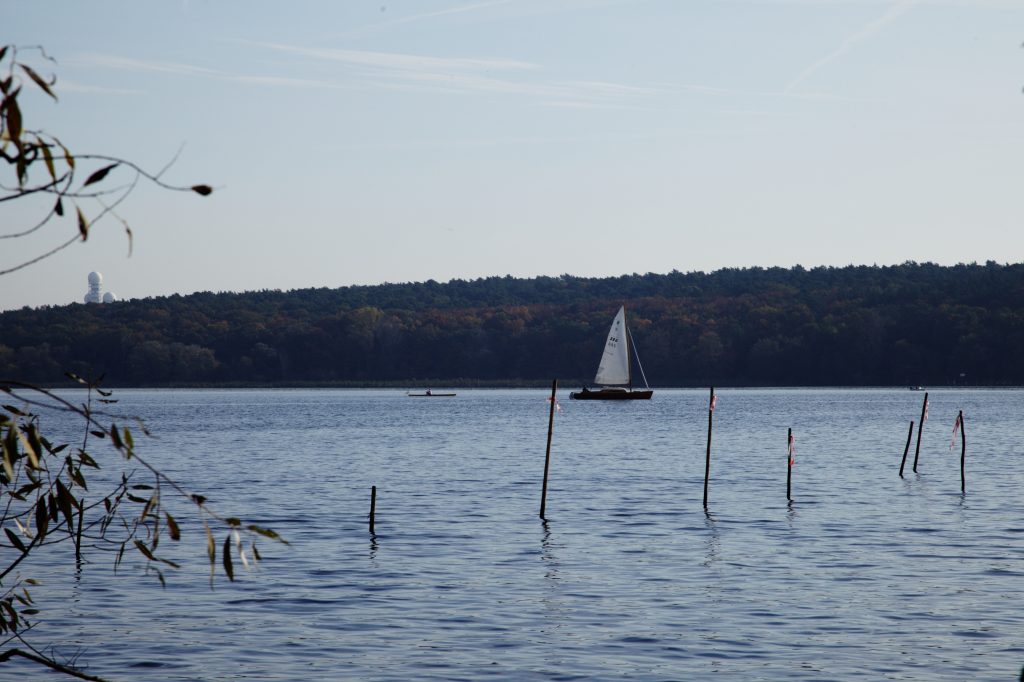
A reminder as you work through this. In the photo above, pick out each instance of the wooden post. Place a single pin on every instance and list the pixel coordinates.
(373, 507)
(547, 454)
(789, 464)
(963, 453)
(920, 428)
(906, 448)
(78, 535)
(707, 458)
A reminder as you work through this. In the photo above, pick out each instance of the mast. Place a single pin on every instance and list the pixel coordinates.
(639, 364)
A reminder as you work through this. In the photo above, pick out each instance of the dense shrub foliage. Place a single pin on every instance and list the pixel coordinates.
(857, 325)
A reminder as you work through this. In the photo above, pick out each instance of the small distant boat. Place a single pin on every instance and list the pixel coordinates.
(615, 372)
(916, 388)
(430, 394)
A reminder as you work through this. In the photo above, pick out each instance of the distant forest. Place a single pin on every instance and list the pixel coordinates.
(854, 326)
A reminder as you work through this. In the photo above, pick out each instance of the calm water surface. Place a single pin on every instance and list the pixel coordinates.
(864, 576)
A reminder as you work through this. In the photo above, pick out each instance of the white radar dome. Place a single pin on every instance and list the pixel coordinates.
(95, 278)
(109, 297)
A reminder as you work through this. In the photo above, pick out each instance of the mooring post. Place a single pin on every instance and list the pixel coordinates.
(906, 448)
(789, 464)
(707, 458)
(373, 507)
(920, 428)
(547, 454)
(963, 453)
(78, 535)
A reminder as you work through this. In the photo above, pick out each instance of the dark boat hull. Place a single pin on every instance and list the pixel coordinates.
(611, 394)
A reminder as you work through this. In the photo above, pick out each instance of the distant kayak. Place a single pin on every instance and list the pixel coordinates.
(431, 394)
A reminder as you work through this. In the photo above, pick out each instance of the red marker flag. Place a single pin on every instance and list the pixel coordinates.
(956, 427)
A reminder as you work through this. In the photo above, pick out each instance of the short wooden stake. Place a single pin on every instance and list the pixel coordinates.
(906, 448)
(789, 465)
(920, 428)
(963, 453)
(707, 458)
(547, 454)
(373, 507)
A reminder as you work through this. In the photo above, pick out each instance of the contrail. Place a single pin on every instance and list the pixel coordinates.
(897, 10)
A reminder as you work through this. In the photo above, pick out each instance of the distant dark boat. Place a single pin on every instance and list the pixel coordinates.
(615, 372)
(430, 394)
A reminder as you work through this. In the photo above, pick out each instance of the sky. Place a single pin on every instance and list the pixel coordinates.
(398, 140)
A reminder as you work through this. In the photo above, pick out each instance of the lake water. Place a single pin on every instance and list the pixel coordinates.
(865, 575)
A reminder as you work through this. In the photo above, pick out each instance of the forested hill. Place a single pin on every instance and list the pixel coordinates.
(907, 324)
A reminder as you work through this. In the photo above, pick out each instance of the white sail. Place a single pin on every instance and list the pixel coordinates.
(614, 367)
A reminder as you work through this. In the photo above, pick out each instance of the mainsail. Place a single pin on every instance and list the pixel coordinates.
(614, 367)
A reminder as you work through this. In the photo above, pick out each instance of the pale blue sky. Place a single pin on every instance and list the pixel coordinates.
(363, 142)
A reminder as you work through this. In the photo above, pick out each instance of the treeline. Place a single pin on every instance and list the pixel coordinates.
(857, 325)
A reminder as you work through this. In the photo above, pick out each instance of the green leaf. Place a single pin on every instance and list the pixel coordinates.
(145, 550)
(83, 224)
(116, 437)
(100, 174)
(211, 548)
(172, 527)
(267, 533)
(8, 464)
(67, 155)
(42, 518)
(77, 477)
(228, 566)
(15, 540)
(13, 115)
(39, 80)
(47, 158)
(65, 502)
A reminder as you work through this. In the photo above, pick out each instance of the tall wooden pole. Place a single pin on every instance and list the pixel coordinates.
(906, 448)
(920, 428)
(789, 465)
(963, 453)
(547, 454)
(373, 507)
(707, 459)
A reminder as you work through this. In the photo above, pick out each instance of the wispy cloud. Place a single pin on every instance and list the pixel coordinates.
(139, 65)
(468, 75)
(407, 62)
(103, 61)
(65, 85)
(895, 11)
(366, 69)
(460, 9)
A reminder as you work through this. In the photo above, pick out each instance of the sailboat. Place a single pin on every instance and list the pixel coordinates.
(615, 373)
